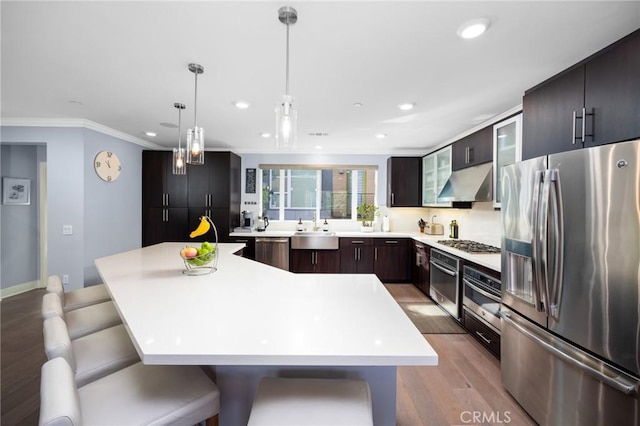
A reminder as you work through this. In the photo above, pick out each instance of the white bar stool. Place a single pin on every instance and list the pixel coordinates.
(78, 298)
(136, 395)
(306, 402)
(81, 321)
(92, 356)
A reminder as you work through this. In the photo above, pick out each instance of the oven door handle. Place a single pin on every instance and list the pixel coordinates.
(481, 291)
(446, 271)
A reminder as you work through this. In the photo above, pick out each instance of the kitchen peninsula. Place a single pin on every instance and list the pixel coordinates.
(249, 320)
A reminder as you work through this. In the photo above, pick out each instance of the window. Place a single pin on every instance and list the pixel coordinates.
(301, 192)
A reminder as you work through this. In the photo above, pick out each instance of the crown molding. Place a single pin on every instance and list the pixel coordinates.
(77, 122)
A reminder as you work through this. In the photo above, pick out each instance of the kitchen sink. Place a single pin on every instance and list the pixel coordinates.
(307, 240)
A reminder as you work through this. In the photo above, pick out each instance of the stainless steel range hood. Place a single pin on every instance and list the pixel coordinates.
(470, 184)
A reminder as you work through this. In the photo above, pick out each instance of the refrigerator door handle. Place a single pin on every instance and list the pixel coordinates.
(536, 266)
(598, 370)
(558, 241)
(543, 242)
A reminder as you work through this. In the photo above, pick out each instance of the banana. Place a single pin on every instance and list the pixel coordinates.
(202, 229)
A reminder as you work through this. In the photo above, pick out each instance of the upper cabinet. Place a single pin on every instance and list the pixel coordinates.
(436, 169)
(507, 149)
(592, 103)
(473, 149)
(160, 187)
(404, 180)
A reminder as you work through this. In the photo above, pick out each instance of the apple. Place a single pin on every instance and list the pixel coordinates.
(189, 252)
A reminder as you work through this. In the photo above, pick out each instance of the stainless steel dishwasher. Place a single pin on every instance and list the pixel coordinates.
(273, 251)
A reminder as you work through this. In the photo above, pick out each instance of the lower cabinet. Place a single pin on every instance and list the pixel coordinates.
(392, 259)
(483, 334)
(315, 261)
(249, 251)
(160, 224)
(356, 255)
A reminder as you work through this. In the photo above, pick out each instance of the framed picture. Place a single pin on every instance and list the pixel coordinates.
(16, 191)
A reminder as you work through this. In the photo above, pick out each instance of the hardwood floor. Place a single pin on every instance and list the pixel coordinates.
(466, 383)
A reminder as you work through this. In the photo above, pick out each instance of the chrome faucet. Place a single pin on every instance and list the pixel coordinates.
(315, 223)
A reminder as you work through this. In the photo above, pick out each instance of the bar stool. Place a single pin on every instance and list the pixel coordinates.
(317, 402)
(81, 321)
(78, 298)
(136, 395)
(92, 356)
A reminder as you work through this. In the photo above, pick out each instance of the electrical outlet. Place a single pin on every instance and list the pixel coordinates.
(65, 279)
(67, 230)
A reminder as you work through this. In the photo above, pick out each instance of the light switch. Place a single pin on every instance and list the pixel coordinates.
(67, 230)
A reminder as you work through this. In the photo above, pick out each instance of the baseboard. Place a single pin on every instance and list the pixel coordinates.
(18, 289)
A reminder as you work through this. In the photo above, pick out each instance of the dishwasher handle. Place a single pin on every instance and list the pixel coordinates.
(272, 240)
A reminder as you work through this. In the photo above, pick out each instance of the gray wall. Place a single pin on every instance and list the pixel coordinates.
(19, 224)
(105, 217)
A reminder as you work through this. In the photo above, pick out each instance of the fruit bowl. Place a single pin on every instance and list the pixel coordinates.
(198, 261)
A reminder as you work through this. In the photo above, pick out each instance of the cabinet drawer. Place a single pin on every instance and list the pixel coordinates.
(397, 242)
(483, 334)
(346, 242)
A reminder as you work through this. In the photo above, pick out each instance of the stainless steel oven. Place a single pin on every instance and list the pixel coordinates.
(444, 275)
(482, 297)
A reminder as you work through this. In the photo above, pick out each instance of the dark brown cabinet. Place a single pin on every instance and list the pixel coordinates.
(356, 255)
(315, 261)
(592, 103)
(404, 182)
(420, 266)
(477, 148)
(250, 246)
(392, 259)
(173, 204)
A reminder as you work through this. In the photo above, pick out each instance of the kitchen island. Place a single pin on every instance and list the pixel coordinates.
(248, 320)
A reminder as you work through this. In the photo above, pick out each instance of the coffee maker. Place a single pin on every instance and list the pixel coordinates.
(247, 219)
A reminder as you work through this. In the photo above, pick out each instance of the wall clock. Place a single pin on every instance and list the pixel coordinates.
(107, 166)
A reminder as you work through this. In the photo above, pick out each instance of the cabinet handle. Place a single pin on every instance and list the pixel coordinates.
(393, 198)
(573, 129)
(483, 338)
(357, 242)
(359, 254)
(167, 200)
(375, 253)
(584, 122)
(466, 155)
(391, 242)
(166, 215)
(355, 253)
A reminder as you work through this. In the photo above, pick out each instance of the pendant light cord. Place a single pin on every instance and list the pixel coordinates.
(179, 128)
(195, 105)
(286, 92)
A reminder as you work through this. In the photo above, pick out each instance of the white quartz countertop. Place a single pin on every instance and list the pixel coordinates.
(248, 313)
(491, 261)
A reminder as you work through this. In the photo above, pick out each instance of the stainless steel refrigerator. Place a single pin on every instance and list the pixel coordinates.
(570, 344)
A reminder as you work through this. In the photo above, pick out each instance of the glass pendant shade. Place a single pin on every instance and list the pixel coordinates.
(179, 161)
(179, 154)
(286, 124)
(195, 146)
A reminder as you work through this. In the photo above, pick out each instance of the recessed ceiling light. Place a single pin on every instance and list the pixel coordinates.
(265, 135)
(473, 28)
(75, 102)
(357, 105)
(381, 135)
(241, 104)
(406, 107)
(318, 146)
(151, 134)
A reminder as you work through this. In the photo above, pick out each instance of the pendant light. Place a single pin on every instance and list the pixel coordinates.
(286, 114)
(179, 155)
(195, 136)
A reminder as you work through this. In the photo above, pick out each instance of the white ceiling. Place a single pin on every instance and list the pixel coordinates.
(124, 64)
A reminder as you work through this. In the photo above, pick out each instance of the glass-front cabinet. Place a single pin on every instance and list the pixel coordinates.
(436, 169)
(507, 149)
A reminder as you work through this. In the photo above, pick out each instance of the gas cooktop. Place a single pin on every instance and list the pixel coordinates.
(470, 246)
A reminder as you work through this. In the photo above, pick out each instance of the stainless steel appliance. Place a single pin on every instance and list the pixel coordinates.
(470, 246)
(247, 219)
(263, 223)
(481, 297)
(444, 281)
(273, 251)
(571, 285)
